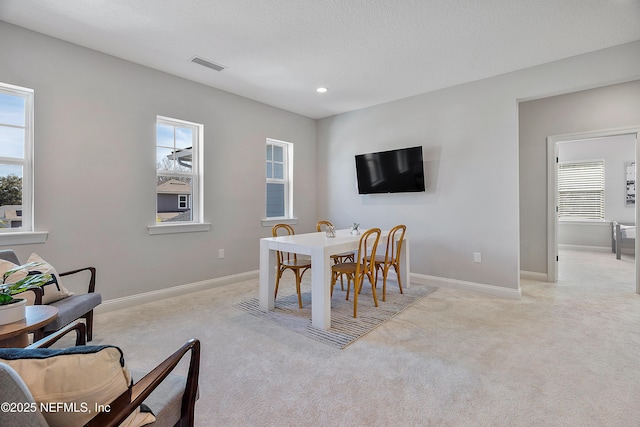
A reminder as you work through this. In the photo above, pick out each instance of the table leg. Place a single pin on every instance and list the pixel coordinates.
(320, 289)
(267, 276)
(404, 264)
(19, 341)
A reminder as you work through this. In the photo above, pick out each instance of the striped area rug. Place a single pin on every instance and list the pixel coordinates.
(344, 328)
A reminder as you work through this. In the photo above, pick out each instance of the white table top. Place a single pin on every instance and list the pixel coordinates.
(318, 239)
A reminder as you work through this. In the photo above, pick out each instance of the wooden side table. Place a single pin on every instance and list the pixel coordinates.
(16, 334)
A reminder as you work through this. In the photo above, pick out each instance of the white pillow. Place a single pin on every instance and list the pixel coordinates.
(82, 377)
(51, 291)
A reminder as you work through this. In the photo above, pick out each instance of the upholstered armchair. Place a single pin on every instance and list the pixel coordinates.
(76, 397)
(70, 307)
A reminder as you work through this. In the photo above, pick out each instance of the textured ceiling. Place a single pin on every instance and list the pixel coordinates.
(365, 51)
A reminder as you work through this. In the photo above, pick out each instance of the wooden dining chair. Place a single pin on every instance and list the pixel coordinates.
(337, 258)
(289, 261)
(391, 258)
(364, 266)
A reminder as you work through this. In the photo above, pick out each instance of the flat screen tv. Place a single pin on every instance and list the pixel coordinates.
(393, 171)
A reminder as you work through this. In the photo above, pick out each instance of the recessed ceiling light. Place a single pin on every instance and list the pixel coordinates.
(322, 90)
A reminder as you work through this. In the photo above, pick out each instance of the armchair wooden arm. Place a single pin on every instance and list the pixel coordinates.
(128, 401)
(66, 306)
(38, 293)
(77, 326)
(92, 278)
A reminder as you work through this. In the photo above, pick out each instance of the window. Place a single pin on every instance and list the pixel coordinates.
(279, 173)
(179, 171)
(581, 190)
(16, 163)
(183, 202)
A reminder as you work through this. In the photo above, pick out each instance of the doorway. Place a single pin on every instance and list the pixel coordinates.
(554, 146)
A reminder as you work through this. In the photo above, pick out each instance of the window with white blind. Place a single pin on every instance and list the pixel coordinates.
(581, 190)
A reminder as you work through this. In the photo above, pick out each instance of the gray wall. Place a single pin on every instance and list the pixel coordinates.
(615, 151)
(469, 134)
(95, 184)
(609, 107)
(95, 168)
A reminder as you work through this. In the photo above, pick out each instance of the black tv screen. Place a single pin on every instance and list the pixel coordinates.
(394, 171)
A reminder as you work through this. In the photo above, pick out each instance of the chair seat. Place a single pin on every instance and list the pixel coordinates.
(72, 308)
(343, 254)
(166, 400)
(297, 263)
(345, 267)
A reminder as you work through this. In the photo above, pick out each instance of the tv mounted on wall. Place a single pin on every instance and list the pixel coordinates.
(393, 171)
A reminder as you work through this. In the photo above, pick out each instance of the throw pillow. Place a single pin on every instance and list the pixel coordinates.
(52, 292)
(73, 384)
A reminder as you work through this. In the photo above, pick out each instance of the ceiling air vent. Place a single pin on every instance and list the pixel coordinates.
(207, 64)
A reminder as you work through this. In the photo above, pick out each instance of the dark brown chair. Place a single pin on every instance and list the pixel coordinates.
(391, 258)
(289, 261)
(361, 268)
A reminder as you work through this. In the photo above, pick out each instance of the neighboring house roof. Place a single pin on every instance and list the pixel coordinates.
(173, 187)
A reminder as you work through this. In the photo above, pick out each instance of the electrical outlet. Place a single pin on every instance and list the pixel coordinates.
(220, 253)
(477, 257)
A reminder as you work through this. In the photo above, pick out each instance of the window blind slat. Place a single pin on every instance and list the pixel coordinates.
(581, 190)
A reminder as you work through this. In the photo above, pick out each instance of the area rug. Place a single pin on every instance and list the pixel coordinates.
(344, 328)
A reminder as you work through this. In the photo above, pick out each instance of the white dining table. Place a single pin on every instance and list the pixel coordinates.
(320, 248)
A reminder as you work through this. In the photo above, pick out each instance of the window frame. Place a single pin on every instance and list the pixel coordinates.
(27, 229)
(287, 180)
(196, 201)
(595, 172)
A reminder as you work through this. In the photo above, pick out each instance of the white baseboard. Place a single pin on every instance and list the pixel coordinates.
(585, 248)
(135, 300)
(496, 291)
(533, 275)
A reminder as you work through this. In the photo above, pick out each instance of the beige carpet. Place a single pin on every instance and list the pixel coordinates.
(566, 354)
(345, 329)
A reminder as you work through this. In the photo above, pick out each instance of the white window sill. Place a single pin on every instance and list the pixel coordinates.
(178, 228)
(23, 238)
(270, 222)
(584, 221)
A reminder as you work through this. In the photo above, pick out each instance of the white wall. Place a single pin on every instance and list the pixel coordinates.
(615, 151)
(608, 107)
(95, 166)
(469, 134)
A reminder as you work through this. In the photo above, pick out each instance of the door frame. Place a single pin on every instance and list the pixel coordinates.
(552, 192)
